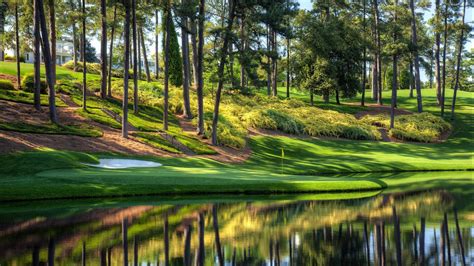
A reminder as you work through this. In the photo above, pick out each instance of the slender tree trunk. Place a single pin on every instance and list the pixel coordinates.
(448, 241)
(167, 241)
(364, 71)
(74, 45)
(139, 56)
(395, 73)
(242, 51)
(83, 51)
(126, 67)
(51, 249)
(17, 48)
(109, 87)
(416, 58)
(220, 71)
(458, 232)
(103, 50)
(52, 26)
(83, 254)
(3, 9)
(200, 57)
(167, 70)
(274, 64)
(216, 232)
(201, 248)
(157, 57)
(397, 235)
(412, 79)
(37, 55)
(458, 62)
(135, 56)
(445, 44)
(47, 62)
(187, 245)
(375, 86)
(311, 96)
(378, 51)
(437, 52)
(192, 23)
(185, 53)
(145, 60)
(269, 65)
(422, 241)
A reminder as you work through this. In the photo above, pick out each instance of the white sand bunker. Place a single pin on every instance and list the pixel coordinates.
(123, 163)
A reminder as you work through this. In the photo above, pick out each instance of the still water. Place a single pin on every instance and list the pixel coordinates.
(381, 229)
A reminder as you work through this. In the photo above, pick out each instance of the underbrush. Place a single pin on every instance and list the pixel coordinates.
(422, 127)
(6, 85)
(77, 130)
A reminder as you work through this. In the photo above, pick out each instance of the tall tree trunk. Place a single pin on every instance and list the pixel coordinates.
(135, 56)
(3, 10)
(377, 53)
(52, 28)
(126, 67)
(242, 51)
(167, 58)
(374, 86)
(216, 231)
(139, 56)
(47, 62)
(422, 241)
(83, 254)
(103, 50)
(37, 55)
(51, 250)
(458, 233)
(192, 23)
(83, 51)
(412, 79)
(274, 64)
(395, 73)
(200, 57)
(437, 52)
(397, 235)
(416, 58)
(445, 44)
(167, 241)
(185, 53)
(364, 71)
(187, 245)
(145, 60)
(109, 86)
(74, 45)
(201, 248)
(269, 65)
(17, 48)
(458, 62)
(448, 241)
(287, 67)
(157, 57)
(220, 71)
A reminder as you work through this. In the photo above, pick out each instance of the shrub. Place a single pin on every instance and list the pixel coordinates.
(6, 84)
(422, 127)
(28, 84)
(92, 68)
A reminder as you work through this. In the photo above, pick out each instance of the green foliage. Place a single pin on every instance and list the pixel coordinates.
(91, 68)
(28, 84)
(156, 141)
(422, 127)
(27, 97)
(175, 61)
(78, 130)
(195, 145)
(6, 84)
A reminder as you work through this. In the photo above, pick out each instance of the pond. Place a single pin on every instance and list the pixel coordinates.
(411, 227)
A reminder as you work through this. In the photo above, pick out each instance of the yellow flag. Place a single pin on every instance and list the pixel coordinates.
(282, 153)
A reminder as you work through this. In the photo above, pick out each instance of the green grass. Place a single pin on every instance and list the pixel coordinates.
(9, 68)
(77, 130)
(27, 97)
(156, 141)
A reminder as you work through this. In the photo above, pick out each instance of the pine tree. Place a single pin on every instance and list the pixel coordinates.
(175, 61)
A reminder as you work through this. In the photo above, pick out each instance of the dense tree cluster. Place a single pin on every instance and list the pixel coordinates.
(337, 49)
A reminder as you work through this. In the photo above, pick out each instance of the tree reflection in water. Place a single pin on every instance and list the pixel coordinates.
(382, 230)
